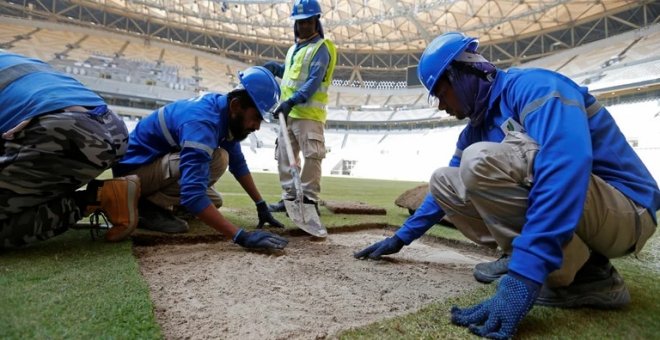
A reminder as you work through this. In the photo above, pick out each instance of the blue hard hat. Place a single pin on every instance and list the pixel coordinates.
(440, 53)
(303, 9)
(262, 87)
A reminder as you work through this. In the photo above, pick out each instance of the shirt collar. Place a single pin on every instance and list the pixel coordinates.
(498, 87)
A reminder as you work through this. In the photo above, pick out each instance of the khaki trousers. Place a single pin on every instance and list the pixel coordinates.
(160, 179)
(486, 198)
(306, 136)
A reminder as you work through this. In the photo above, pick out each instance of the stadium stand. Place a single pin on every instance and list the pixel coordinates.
(358, 145)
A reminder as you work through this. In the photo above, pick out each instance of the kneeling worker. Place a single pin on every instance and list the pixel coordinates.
(180, 151)
(543, 171)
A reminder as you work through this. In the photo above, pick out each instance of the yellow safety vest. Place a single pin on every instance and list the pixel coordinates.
(295, 75)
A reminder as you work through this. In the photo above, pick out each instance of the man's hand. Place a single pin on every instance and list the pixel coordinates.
(284, 107)
(498, 317)
(273, 67)
(260, 240)
(387, 246)
(266, 217)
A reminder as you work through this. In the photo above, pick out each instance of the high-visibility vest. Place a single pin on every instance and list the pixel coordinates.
(295, 75)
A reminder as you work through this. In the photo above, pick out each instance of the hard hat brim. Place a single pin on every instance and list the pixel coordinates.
(303, 16)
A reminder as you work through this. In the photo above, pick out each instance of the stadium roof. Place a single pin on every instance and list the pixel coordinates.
(371, 25)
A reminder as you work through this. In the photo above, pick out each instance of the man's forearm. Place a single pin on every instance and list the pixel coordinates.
(214, 219)
(247, 182)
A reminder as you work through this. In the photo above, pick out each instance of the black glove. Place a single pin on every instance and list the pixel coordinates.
(273, 67)
(259, 240)
(284, 107)
(266, 217)
(387, 246)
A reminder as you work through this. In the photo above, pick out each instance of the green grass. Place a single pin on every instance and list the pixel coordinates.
(639, 320)
(74, 288)
(71, 287)
(376, 192)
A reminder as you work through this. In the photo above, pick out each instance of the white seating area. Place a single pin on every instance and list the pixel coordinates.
(173, 67)
(405, 155)
(627, 58)
(411, 155)
(414, 155)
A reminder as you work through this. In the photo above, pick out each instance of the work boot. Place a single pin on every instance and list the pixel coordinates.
(117, 199)
(277, 207)
(155, 218)
(488, 272)
(183, 213)
(597, 284)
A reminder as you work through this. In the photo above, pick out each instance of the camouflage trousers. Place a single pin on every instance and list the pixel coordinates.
(45, 163)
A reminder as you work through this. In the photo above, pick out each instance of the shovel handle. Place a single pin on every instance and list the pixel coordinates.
(287, 140)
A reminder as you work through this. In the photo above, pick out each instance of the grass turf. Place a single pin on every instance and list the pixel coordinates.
(72, 287)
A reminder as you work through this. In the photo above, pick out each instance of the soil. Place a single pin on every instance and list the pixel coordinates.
(313, 289)
(411, 199)
(355, 208)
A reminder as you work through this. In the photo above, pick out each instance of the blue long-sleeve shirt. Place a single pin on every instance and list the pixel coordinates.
(317, 69)
(37, 89)
(576, 138)
(196, 126)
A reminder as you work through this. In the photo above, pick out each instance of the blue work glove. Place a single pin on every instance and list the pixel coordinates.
(273, 67)
(266, 217)
(284, 107)
(259, 240)
(387, 246)
(498, 317)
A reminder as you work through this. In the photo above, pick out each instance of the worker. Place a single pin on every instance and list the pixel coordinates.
(306, 76)
(541, 170)
(180, 151)
(57, 137)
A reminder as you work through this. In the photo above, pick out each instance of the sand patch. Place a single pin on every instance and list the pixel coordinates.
(313, 290)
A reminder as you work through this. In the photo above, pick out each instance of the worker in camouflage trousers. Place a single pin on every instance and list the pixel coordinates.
(57, 136)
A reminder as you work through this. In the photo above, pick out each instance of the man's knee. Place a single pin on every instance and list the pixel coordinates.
(473, 161)
(439, 179)
(219, 164)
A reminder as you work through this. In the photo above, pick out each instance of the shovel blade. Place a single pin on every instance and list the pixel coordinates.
(306, 218)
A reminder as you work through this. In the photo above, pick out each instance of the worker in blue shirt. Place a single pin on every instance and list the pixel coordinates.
(542, 171)
(306, 76)
(180, 151)
(57, 137)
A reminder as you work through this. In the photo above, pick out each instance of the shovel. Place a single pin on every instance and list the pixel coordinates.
(302, 214)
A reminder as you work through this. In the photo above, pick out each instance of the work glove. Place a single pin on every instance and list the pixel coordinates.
(498, 317)
(284, 107)
(387, 246)
(266, 217)
(273, 67)
(259, 240)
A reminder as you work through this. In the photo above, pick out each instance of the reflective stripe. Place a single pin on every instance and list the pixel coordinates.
(199, 146)
(541, 101)
(307, 60)
(163, 128)
(593, 109)
(316, 104)
(11, 73)
(458, 153)
(293, 83)
(299, 83)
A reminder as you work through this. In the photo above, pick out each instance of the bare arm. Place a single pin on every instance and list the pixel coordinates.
(214, 219)
(247, 182)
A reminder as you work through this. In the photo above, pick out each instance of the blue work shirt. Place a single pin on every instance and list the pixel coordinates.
(194, 127)
(577, 137)
(37, 90)
(317, 69)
